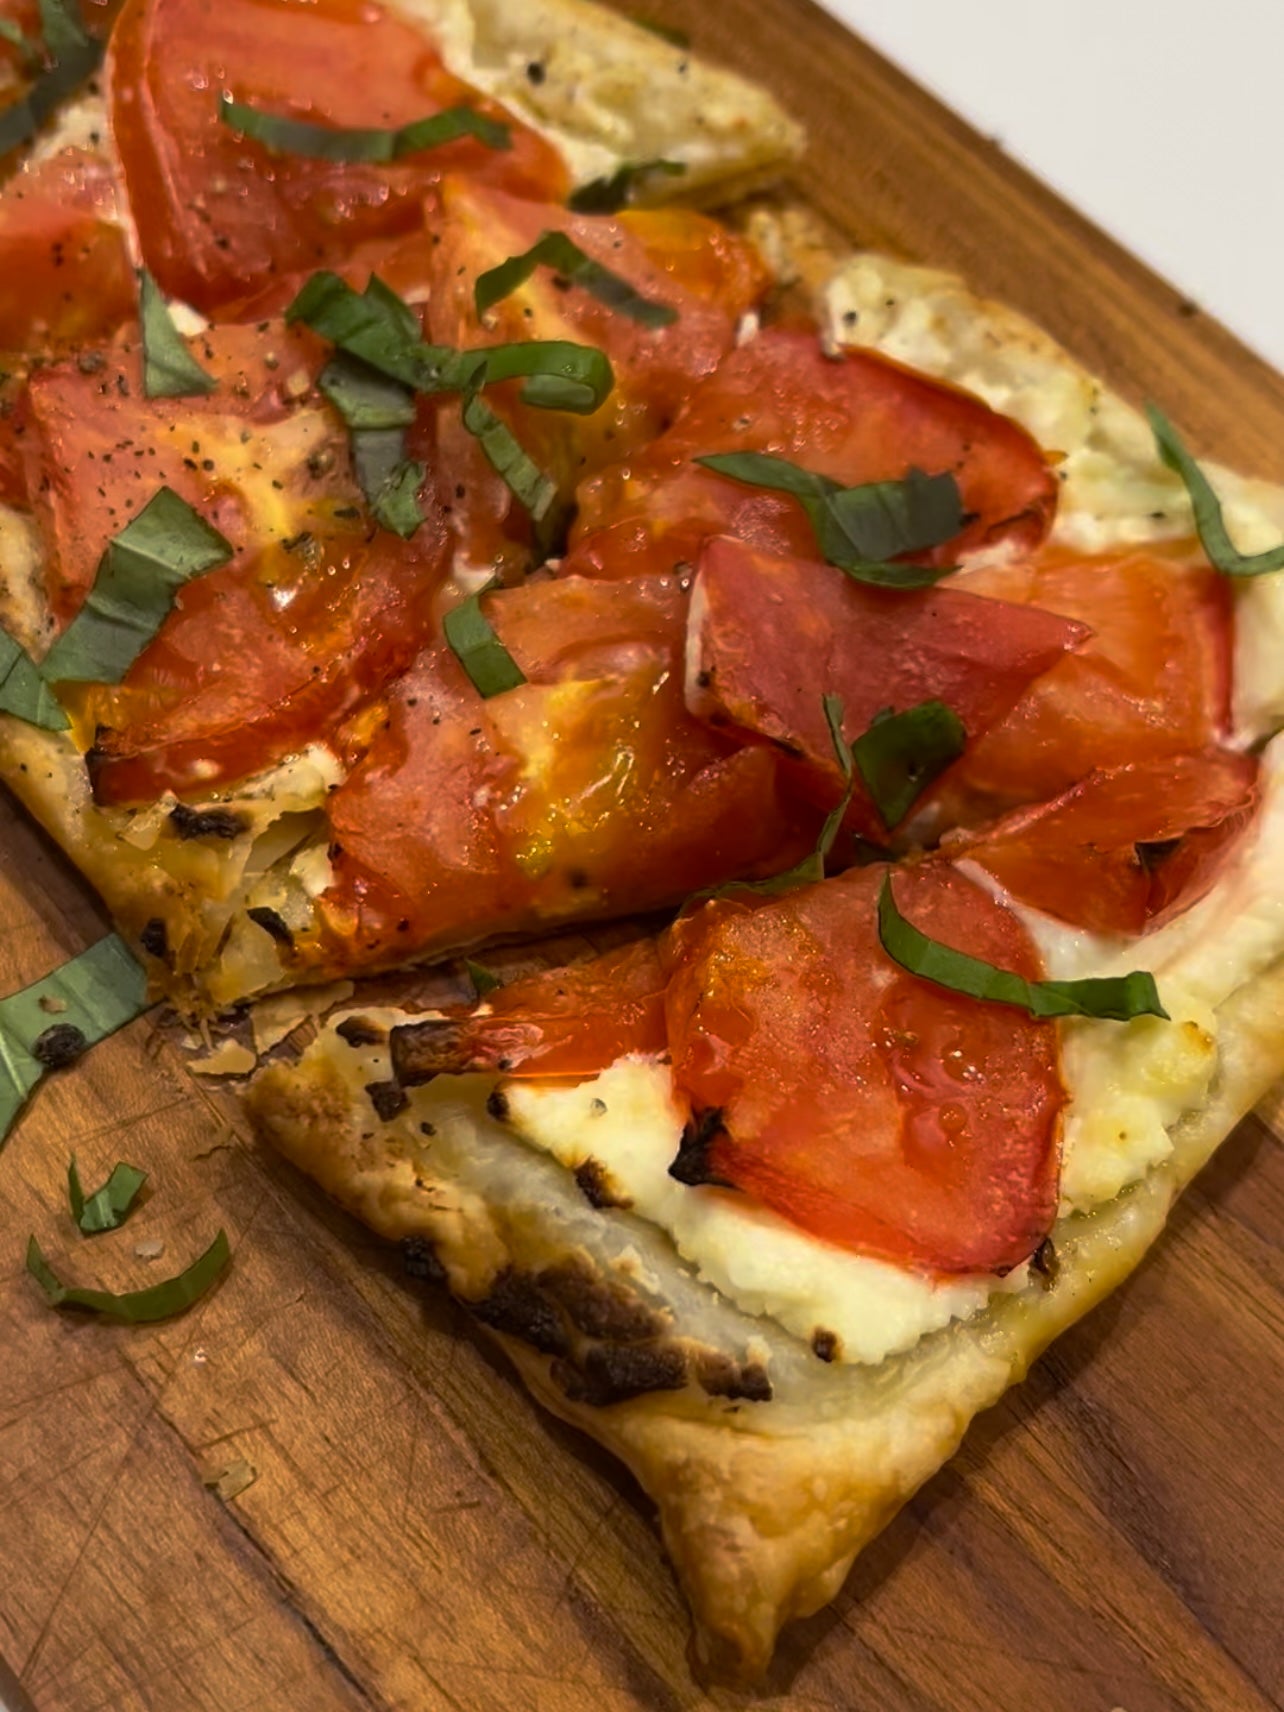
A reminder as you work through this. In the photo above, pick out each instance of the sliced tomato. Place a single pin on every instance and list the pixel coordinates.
(1153, 680)
(252, 456)
(855, 418)
(770, 637)
(219, 215)
(569, 799)
(262, 657)
(562, 1022)
(873, 1110)
(1126, 847)
(679, 260)
(67, 276)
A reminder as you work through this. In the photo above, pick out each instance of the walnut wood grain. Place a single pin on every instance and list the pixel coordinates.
(416, 1535)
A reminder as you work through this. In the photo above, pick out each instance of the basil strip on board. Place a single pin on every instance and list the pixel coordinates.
(901, 753)
(860, 529)
(609, 195)
(334, 143)
(23, 691)
(169, 368)
(479, 651)
(1117, 998)
(138, 576)
(107, 1208)
(93, 995)
(137, 1307)
(378, 411)
(1209, 522)
(74, 55)
(560, 252)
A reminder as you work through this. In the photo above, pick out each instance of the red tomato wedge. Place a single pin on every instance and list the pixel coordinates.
(562, 1022)
(262, 657)
(871, 1109)
(220, 215)
(252, 456)
(770, 637)
(1125, 847)
(855, 418)
(1153, 680)
(67, 277)
(675, 259)
(576, 797)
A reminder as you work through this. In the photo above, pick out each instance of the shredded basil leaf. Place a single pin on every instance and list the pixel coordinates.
(861, 529)
(332, 143)
(479, 651)
(74, 56)
(609, 195)
(378, 411)
(902, 753)
(507, 457)
(107, 1208)
(364, 397)
(95, 993)
(138, 576)
(23, 691)
(561, 253)
(28, 51)
(1209, 522)
(484, 980)
(1115, 998)
(169, 368)
(137, 1307)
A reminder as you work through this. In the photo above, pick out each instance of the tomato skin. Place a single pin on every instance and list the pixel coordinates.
(67, 277)
(676, 258)
(857, 418)
(771, 636)
(1153, 680)
(220, 215)
(871, 1109)
(560, 1022)
(1076, 857)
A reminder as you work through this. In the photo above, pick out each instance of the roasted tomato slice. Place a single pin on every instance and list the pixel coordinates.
(252, 456)
(676, 260)
(67, 276)
(1153, 680)
(871, 1109)
(1125, 847)
(562, 1022)
(262, 657)
(855, 418)
(770, 636)
(220, 215)
(590, 793)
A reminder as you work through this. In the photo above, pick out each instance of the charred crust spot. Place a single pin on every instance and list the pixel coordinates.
(59, 1045)
(826, 1346)
(360, 1031)
(609, 1375)
(516, 1306)
(271, 923)
(422, 1050)
(691, 1166)
(594, 1182)
(206, 822)
(1046, 1263)
(596, 1307)
(154, 938)
(746, 1382)
(387, 1098)
(497, 1105)
(419, 1258)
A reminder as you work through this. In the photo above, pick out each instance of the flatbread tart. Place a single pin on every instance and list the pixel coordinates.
(426, 527)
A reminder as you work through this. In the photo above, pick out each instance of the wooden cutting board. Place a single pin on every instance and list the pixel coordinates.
(416, 1534)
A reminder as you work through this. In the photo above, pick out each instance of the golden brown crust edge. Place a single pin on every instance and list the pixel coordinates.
(763, 1518)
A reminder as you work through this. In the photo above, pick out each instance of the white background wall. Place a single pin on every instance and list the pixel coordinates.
(1162, 120)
